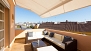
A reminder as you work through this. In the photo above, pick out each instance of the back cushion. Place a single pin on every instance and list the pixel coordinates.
(58, 36)
(48, 33)
(38, 33)
(30, 34)
(62, 38)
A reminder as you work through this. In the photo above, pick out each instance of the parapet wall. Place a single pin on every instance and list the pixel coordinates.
(84, 41)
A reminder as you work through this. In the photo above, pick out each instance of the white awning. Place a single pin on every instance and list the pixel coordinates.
(48, 8)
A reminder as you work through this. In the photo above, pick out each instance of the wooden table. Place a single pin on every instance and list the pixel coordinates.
(36, 45)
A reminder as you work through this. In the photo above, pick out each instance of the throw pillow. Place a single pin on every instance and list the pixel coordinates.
(51, 34)
(66, 38)
(45, 32)
(30, 34)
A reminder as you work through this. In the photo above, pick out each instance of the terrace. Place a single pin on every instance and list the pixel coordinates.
(15, 40)
(20, 45)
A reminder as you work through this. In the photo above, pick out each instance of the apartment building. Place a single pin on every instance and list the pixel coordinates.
(7, 22)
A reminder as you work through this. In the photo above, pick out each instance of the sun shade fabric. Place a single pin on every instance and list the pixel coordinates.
(48, 8)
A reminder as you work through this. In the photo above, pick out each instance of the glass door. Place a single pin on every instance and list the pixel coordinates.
(1, 27)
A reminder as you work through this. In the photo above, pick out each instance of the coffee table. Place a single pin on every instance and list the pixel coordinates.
(36, 45)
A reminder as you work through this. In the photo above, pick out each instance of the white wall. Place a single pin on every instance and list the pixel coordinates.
(22, 35)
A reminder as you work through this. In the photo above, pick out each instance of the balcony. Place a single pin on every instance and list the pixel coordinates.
(19, 42)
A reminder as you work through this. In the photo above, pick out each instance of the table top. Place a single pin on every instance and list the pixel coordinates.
(47, 48)
(35, 44)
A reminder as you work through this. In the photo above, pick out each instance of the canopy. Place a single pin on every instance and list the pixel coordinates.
(48, 8)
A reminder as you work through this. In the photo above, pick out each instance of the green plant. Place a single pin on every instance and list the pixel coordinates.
(32, 27)
(18, 26)
(28, 27)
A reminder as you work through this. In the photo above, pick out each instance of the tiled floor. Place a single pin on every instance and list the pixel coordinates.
(20, 45)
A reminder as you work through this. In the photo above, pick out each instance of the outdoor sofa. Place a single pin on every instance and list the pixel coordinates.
(60, 42)
(33, 36)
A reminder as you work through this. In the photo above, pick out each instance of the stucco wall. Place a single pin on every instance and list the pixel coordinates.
(12, 20)
(21, 33)
(17, 32)
(84, 42)
(6, 27)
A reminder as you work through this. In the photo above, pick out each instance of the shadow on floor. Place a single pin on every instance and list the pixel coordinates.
(22, 41)
(19, 45)
(28, 47)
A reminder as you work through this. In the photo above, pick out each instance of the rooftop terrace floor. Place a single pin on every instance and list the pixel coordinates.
(19, 45)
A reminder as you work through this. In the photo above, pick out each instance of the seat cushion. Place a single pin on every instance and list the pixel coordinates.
(31, 38)
(36, 35)
(55, 41)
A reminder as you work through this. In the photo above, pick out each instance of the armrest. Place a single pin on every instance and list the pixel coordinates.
(26, 37)
(68, 42)
(72, 46)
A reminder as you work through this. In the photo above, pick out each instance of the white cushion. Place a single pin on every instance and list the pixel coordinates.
(36, 35)
(31, 38)
(44, 32)
(58, 36)
(30, 34)
(47, 48)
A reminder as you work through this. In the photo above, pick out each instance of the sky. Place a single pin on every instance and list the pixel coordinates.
(81, 15)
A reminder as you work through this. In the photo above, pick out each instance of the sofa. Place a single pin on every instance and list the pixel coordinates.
(33, 36)
(57, 41)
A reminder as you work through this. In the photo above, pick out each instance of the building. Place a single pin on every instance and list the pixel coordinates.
(7, 22)
(68, 26)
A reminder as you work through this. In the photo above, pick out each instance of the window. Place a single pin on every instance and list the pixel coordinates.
(1, 27)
